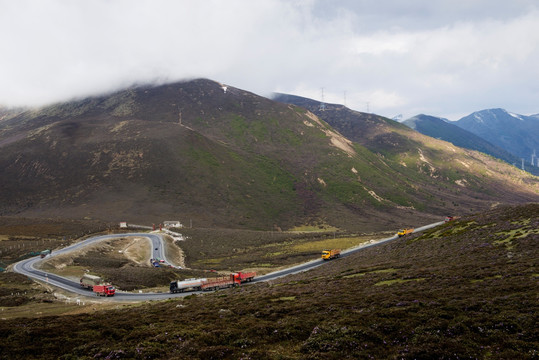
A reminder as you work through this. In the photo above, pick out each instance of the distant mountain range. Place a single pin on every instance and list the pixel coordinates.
(518, 134)
(225, 157)
(506, 136)
(443, 129)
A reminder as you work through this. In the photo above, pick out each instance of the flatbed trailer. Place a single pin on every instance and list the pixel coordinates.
(219, 283)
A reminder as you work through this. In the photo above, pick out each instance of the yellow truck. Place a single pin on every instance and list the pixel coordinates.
(331, 254)
(403, 232)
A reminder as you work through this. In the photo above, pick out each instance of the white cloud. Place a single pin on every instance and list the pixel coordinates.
(400, 57)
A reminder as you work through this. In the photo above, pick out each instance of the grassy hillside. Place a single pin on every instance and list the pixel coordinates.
(232, 159)
(422, 167)
(467, 289)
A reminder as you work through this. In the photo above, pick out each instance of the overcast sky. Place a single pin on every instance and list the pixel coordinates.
(445, 58)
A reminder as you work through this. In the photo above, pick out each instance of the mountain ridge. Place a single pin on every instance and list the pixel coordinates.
(513, 132)
(225, 157)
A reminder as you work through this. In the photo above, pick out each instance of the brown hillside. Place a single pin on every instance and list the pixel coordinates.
(193, 151)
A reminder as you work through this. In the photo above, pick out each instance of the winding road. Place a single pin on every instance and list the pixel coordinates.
(28, 267)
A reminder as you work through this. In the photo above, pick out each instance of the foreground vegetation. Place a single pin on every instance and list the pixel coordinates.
(467, 289)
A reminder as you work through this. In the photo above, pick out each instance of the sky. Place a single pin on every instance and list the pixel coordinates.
(445, 58)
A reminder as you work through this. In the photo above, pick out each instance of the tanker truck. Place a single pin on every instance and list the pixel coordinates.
(186, 285)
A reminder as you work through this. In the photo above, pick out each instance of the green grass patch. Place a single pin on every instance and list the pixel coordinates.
(522, 222)
(397, 281)
(513, 234)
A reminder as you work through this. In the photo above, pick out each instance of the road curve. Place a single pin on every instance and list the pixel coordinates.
(27, 267)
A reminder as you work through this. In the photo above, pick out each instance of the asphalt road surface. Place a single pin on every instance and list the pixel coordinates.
(27, 267)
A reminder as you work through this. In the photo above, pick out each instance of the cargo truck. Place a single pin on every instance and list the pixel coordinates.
(104, 290)
(404, 232)
(45, 253)
(331, 254)
(242, 277)
(97, 285)
(88, 281)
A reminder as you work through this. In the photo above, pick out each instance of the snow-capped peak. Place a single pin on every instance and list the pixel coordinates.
(478, 117)
(516, 116)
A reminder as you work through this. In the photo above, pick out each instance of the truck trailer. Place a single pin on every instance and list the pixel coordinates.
(220, 283)
(234, 279)
(186, 285)
(88, 281)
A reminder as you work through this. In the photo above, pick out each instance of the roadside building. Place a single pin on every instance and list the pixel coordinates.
(172, 224)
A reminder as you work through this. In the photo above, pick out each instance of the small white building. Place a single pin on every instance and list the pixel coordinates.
(123, 225)
(172, 224)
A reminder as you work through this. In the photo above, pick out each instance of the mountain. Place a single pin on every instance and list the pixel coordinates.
(217, 156)
(442, 129)
(515, 133)
(409, 154)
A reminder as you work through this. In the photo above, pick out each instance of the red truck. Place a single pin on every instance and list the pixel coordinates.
(104, 290)
(242, 277)
(97, 285)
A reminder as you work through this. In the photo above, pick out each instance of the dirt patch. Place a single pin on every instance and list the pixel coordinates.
(175, 254)
(137, 250)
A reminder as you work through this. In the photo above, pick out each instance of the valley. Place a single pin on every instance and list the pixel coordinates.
(265, 185)
(66, 263)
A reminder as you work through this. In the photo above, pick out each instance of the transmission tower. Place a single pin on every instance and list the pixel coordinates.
(322, 104)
